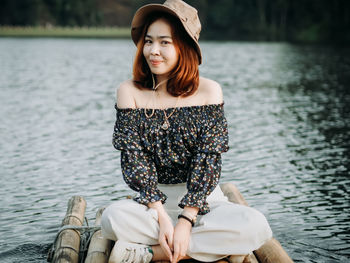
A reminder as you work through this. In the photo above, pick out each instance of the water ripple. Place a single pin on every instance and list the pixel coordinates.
(288, 110)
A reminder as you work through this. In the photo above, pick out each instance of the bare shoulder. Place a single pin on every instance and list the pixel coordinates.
(126, 95)
(211, 90)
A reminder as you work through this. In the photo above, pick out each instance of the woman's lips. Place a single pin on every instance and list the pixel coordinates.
(155, 62)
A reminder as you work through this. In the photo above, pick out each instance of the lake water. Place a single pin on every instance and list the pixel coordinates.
(288, 109)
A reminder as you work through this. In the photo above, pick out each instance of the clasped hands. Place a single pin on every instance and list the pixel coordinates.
(174, 240)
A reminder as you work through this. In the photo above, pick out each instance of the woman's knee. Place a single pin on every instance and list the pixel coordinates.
(256, 227)
(119, 210)
(113, 216)
(249, 219)
(262, 225)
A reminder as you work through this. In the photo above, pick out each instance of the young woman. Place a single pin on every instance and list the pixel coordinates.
(171, 131)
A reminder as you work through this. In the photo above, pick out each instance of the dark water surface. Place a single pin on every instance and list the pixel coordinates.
(288, 109)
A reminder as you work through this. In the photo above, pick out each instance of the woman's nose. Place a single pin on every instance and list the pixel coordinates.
(155, 49)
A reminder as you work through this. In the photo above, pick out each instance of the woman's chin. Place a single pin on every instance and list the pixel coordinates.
(159, 72)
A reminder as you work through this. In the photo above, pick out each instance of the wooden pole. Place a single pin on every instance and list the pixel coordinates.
(99, 248)
(68, 241)
(250, 259)
(243, 259)
(271, 251)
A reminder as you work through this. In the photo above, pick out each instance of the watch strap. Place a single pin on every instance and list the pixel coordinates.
(186, 218)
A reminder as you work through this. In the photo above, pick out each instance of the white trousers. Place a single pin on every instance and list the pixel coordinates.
(228, 229)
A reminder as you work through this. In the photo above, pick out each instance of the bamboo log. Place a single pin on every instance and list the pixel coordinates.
(242, 259)
(99, 248)
(250, 259)
(271, 251)
(68, 241)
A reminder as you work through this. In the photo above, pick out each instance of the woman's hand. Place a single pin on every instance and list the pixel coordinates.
(166, 233)
(166, 229)
(182, 233)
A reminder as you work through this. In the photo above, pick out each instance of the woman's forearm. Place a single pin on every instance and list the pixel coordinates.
(193, 211)
(160, 209)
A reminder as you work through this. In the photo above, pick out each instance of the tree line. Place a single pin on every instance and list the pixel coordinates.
(324, 21)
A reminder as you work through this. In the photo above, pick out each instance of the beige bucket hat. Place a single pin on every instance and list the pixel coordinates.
(187, 15)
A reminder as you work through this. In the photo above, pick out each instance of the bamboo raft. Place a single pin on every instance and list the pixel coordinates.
(67, 247)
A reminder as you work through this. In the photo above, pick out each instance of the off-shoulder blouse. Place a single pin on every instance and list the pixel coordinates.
(188, 151)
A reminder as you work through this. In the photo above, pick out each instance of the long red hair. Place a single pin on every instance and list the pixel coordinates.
(184, 77)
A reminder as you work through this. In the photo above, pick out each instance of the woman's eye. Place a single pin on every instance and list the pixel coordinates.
(164, 42)
(147, 41)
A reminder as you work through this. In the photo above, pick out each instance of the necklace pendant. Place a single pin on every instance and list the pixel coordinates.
(165, 125)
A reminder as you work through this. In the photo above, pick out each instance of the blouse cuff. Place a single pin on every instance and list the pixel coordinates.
(195, 199)
(150, 195)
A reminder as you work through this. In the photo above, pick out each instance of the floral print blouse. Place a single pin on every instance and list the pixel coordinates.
(188, 151)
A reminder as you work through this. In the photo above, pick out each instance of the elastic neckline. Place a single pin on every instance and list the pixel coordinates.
(170, 108)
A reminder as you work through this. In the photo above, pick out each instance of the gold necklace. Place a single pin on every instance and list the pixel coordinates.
(166, 123)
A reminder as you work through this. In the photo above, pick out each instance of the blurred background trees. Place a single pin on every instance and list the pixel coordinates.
(314, 21)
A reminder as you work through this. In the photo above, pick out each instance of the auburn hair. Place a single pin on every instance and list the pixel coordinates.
(184, 77)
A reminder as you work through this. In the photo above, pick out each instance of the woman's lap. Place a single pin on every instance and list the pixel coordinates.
(229, 229)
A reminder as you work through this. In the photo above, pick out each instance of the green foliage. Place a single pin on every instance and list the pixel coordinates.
(71, 32)
(267, 20)
(310, 34)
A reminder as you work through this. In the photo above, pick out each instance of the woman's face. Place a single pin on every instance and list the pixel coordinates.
(159, 49)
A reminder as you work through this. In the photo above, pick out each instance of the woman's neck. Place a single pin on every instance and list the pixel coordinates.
(161, 83)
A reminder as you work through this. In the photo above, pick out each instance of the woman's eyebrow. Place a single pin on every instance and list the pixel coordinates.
(161, 37)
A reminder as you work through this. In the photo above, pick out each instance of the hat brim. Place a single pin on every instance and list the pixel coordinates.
(140, 17)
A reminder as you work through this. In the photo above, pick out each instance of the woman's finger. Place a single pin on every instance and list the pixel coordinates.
(182, 252)
(176, 252)
(170, 242)
(164, 245)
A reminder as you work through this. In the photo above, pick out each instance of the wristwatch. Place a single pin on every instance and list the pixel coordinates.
(187, 216)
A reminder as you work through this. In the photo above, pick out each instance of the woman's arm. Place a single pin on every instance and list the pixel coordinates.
(137, 163)
(205, 167)
(138, 168)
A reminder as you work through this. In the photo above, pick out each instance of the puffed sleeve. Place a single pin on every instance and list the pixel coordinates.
(137, 165)
(205, 167)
